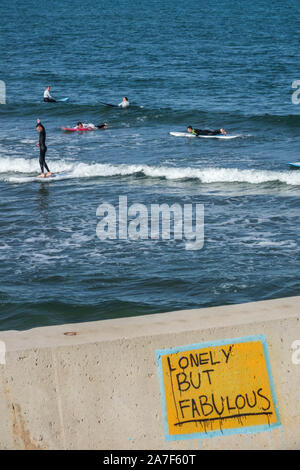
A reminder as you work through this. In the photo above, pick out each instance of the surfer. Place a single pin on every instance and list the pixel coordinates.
(47, 97)
(197, 132)
(90, 126)
(125, 103)
(43, 149)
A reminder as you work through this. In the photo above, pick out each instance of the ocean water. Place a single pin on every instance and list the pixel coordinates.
(209, 64)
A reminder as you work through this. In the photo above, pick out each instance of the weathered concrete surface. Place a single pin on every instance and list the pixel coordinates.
(98, 388)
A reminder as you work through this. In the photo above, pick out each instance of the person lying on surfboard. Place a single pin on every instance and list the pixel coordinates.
(90, 126)
(43, 149)
(197, 132)
(47, 97)
(125, 103)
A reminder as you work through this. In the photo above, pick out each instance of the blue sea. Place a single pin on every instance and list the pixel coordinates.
(208, 64)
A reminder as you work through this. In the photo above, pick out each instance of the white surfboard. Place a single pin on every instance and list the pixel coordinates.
(295, 165)
(182, 134)
(53, 176)
(189, 134)
(31, 179)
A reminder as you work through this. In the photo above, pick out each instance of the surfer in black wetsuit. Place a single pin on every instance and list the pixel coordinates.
(43, 149)
(197, 132)
(102, 126)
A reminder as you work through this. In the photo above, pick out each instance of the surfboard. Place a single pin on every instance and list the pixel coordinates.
(188, 134)
(295, 165)
(182, 134)
(63, 100)
(108, 104)
(72, 129)
(53, 176)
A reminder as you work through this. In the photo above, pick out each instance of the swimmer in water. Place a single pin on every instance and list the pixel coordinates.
(125, 103)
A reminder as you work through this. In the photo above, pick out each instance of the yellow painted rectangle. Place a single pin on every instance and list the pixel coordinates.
(216, 388)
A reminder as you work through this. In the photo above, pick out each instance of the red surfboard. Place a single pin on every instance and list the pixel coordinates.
(71, 129)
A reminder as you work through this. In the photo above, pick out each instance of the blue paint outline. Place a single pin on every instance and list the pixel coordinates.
(225, 432)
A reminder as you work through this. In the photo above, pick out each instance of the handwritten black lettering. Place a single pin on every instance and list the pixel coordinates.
(265, 398)
(183, 406)
(171, 369)
(192, 382)
(183, 362)
(183, 384)
(208, 374)
(215, 406)
(194, 360)
(212, 359)
(227, 354)
(194, 408)
(204, 403)
(240, 402)
(228, 405)
(251, 405)
(203, 361)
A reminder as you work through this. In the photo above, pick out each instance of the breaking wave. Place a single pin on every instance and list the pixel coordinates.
(18, 170)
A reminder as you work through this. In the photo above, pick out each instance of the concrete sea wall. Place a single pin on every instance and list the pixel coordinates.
(231, 374)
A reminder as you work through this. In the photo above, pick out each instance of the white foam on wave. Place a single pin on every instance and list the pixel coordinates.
(26, 165)
(276, 244)
(26, 169)
(28, 141)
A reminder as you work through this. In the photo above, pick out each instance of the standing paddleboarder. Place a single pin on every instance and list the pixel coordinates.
(43, 149)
